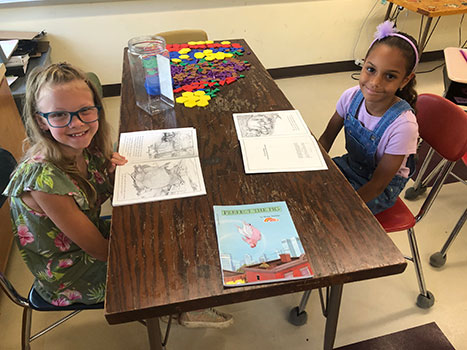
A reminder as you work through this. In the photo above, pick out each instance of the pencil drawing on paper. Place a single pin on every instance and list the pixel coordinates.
(162, 164)
(171, 144)
(258, 124)
(277, 141)
(165, 179)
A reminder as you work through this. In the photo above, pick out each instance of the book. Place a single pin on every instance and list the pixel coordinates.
(7, 47)
(17, 65)
(258, 243)
(17, 71)
(277, 141)
(20, 60)
(162, 164)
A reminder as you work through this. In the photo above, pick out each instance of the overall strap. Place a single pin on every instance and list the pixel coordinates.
(390, 115)
(355, 104)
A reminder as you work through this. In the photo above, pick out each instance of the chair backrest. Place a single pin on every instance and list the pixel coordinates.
(7, 165)
(183, 36)
(443, 125)
(94, 79)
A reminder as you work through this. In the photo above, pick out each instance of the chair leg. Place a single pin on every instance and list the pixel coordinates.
(425, 299)
(439, 259)
(417, 189)
(298, 315)
(26, 329)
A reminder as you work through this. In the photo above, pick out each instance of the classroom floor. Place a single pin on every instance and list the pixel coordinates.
(369, 308)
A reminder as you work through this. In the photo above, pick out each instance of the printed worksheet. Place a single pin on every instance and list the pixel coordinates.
(162, 164)
(277, 141)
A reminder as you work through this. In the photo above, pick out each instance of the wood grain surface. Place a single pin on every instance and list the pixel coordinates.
(163, 255)
(434, 8)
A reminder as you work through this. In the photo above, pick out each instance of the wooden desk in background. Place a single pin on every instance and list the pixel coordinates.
(12, 135)
(163, 255)
(429, 9)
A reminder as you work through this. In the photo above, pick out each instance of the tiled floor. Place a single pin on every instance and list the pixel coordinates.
(369, 308)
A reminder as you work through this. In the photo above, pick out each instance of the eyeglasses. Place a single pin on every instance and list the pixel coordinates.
(61, 119)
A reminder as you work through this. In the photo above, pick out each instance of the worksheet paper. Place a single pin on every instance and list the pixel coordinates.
(162, 164)
(277, 141)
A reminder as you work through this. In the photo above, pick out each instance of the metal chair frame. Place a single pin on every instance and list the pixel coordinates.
(25, 303)
(438, 259)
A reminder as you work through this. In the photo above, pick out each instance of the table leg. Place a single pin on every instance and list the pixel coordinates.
(154, 334)
(332, 316)
(423, 40)
(388, 11)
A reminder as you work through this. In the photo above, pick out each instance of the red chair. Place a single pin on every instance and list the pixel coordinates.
(438, 259)
(443, 125)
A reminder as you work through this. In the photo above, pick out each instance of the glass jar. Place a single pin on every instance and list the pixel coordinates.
(150, 71)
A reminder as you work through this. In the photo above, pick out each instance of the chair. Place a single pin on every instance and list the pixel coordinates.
(184, 35)
(443, 125)
(34, 301)
(455, 83)
(438, 259)
(94, 79)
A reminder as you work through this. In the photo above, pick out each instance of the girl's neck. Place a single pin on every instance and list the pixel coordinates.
(71, 153)
(78, 157)
(82, 166)
(378, 109)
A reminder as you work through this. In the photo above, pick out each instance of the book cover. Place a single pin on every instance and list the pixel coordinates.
(162, 164)
(258, 243)
(277, 141)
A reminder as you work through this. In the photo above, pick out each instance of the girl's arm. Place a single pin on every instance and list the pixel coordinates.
(384, 173)
(332, 130)
(67, 216)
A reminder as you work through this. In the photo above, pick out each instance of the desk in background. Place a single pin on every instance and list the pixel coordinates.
(163, 255)
(429, 9)
(455, 75)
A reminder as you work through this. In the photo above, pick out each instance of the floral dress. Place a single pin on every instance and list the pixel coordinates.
(64, 273)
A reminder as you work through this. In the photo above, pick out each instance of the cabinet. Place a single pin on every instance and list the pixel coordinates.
(18, 88)
(12, 135)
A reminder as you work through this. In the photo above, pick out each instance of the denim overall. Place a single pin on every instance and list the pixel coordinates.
(359, 164)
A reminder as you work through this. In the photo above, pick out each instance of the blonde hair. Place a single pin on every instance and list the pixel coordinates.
(40, 142)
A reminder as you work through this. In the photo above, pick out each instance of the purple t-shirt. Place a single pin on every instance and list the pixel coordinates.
(400, 138)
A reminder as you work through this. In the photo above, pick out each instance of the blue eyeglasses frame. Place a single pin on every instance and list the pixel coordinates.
(76, 113)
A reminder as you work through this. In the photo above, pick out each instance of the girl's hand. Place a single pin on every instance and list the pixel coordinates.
(116, 159)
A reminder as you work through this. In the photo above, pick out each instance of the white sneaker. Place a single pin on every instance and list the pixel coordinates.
(207, 318)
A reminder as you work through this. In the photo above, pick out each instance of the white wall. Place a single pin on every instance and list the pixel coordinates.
(282, 33)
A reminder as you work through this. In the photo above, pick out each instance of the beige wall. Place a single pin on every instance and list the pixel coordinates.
(282, 33)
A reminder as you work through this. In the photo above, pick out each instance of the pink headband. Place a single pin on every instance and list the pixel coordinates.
(386, 29)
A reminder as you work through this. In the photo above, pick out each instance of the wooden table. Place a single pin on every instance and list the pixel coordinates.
(429, 9)
(163, 255)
